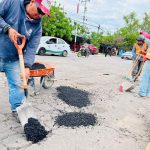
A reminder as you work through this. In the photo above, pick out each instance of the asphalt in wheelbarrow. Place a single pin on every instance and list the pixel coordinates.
(37, 66)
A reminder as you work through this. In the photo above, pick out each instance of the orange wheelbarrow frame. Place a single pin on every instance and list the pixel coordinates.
(42, 72)
(46, 75)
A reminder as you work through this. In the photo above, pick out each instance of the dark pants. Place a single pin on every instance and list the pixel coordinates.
(107, 52)
(137, 68)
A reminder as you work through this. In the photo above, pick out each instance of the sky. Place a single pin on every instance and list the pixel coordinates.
(106, 13)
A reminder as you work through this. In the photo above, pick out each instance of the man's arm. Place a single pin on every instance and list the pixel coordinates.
(4, 26)
(4, 7)
(133, 52)
(30, 49)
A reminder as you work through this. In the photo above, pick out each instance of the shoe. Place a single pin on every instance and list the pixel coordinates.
(15, 115)
(141, 95)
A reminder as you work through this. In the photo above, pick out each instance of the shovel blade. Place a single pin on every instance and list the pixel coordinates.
(25, 111)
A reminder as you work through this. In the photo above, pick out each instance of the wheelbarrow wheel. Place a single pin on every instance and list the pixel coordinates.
(47, 81)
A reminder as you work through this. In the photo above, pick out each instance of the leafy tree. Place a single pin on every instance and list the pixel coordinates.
(96, 38)
(131, 22)
(57, 24)
(145, 25)
(81, 30)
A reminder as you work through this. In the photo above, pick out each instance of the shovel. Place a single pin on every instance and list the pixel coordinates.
(128, 84)
(24, 111)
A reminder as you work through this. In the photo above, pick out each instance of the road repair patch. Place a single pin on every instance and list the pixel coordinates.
(75, 119)
(74, 97)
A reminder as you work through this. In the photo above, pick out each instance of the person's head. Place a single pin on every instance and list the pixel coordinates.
(35, 9)
(140, 41)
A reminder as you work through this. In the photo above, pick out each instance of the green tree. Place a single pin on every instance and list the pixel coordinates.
(126, 36)
(131, 22)
(145, 25)
(130, 32)
(57, 24)
(96, 38)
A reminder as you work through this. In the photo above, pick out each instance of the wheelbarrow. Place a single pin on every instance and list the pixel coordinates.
(46, 76)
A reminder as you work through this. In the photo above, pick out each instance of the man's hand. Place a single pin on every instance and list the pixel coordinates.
(141, 52)
(13, 35)
(27, 72)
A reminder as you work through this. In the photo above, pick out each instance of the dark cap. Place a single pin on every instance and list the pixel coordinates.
(141, 39)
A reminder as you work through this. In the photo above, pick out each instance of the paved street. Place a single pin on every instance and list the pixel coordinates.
(122, 118)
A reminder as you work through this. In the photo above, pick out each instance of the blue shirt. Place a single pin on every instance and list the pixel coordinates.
(12, 12)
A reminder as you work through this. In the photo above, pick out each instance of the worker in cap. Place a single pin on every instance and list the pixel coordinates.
(140, 46)
(19, 17)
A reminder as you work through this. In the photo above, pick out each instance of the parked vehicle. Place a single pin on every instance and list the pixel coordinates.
(53, 45)
(93, 49)
(127, 55)
(84, 51)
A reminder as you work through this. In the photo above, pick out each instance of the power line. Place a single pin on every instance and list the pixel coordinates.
(95, 26)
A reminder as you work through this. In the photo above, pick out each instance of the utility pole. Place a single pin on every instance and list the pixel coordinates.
(99, 27)
(84, 18)
(85, 9)
(75, 38)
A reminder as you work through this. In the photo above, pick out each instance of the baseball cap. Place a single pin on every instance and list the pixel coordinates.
(44, 5)
(141, 39)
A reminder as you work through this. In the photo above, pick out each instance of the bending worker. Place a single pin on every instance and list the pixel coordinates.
(140, 46)
(19, 17)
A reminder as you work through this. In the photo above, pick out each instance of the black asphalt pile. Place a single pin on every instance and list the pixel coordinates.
(34, 131)
(75, 119)
(37, 66)
(73, 97)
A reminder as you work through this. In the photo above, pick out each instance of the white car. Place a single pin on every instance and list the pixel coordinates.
(53, 45)
(127, 55)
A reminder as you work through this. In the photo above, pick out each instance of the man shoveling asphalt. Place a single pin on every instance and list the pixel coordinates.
(19, 17)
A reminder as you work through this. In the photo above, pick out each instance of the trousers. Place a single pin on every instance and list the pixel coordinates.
(145, 80)
(12, 72)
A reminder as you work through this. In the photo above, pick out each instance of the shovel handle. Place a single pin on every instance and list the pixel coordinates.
(19, 46)
(23, 75)
(139, 71)
(133, 66)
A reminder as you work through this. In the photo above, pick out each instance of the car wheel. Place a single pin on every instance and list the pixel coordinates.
(42, 51)
(65, 53)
